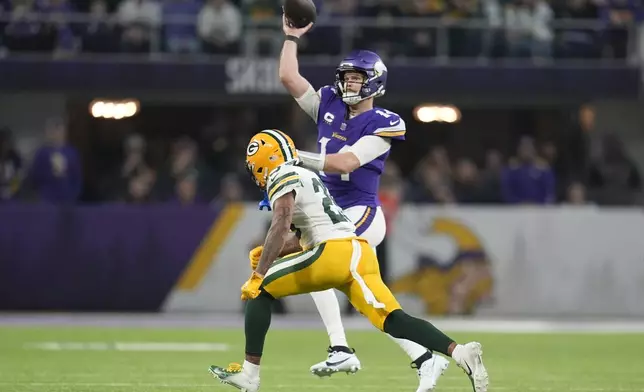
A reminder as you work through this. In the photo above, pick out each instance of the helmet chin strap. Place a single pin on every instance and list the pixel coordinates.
(265, 175)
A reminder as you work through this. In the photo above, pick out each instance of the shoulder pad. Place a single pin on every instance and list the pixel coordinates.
(327, 91)
(327, 96)
(281, 171)
(388, 124)
(282, 180)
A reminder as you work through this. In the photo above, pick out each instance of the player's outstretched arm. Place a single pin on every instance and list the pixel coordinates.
(289, 69)
(277, 234)
(365, 150)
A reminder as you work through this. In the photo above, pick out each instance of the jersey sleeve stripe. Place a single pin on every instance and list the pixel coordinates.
(364, 217)
(282, 177)
(282, 185)
(391, 133)
(278, 180)
(398, 127)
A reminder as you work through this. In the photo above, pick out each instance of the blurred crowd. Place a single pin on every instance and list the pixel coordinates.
(468, 28)
(207, 168)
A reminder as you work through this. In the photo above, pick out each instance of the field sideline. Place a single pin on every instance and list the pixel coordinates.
(171, 352)
(313, 322)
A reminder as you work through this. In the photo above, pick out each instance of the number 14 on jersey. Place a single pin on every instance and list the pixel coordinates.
(323, 142)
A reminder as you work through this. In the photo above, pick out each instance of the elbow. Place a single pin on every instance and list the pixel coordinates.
(285, 75)
(287, 79)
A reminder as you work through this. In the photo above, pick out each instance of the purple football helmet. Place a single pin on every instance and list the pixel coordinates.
(371, 66)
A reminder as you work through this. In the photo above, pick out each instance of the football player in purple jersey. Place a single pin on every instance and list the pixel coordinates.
(354, 138)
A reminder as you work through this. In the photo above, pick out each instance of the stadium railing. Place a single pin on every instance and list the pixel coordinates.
(466, 40)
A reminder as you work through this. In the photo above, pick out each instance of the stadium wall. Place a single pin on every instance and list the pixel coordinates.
(559, 261)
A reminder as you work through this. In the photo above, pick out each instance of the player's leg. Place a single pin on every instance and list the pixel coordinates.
(340, 358)
(329, 309)
(256, 324)
(287, 276)
(469, 357)
(364, 287)
(373, 228)
(373, 299)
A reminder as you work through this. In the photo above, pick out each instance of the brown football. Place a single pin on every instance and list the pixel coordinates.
(300, 12)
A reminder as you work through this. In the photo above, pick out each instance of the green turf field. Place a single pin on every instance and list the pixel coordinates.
(516, 362)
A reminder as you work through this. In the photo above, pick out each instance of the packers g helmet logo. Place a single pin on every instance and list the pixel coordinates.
(267, 150)
(252, 149)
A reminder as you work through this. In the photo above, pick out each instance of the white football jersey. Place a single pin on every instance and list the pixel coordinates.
(316, 217)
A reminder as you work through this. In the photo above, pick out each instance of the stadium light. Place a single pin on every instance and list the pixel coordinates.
(115, 110)
(428, 113)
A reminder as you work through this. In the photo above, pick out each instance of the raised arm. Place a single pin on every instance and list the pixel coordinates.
(289, 72)
(289, 69)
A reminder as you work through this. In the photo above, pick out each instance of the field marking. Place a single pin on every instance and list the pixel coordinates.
(370, 387)
(129, 346)
(305, 374)
(312, 322)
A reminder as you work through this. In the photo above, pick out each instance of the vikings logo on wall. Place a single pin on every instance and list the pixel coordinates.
(454, 279)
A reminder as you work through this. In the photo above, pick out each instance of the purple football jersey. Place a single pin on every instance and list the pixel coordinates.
(336, 133)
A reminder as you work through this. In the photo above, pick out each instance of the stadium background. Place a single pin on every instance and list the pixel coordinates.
(124, 201)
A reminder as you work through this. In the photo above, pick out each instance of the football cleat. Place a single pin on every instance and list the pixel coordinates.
(429, 372)
(340, 359)
(471, 361)
(235, 376)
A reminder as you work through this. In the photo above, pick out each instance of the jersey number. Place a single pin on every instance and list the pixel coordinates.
(384, 113)
(323, 142)
(330, 208)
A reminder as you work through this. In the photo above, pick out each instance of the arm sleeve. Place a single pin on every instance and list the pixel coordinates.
(310, 102)
(370, 147)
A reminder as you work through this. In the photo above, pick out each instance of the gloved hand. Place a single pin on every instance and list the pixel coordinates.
(251, 289)
(254, 255)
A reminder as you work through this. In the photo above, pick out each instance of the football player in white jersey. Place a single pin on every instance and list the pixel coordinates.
(324, 253)
(355, 139)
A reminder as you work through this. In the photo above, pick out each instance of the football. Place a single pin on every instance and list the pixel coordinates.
(300, 12)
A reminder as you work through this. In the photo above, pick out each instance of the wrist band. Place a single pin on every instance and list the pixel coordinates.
(292, 38)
